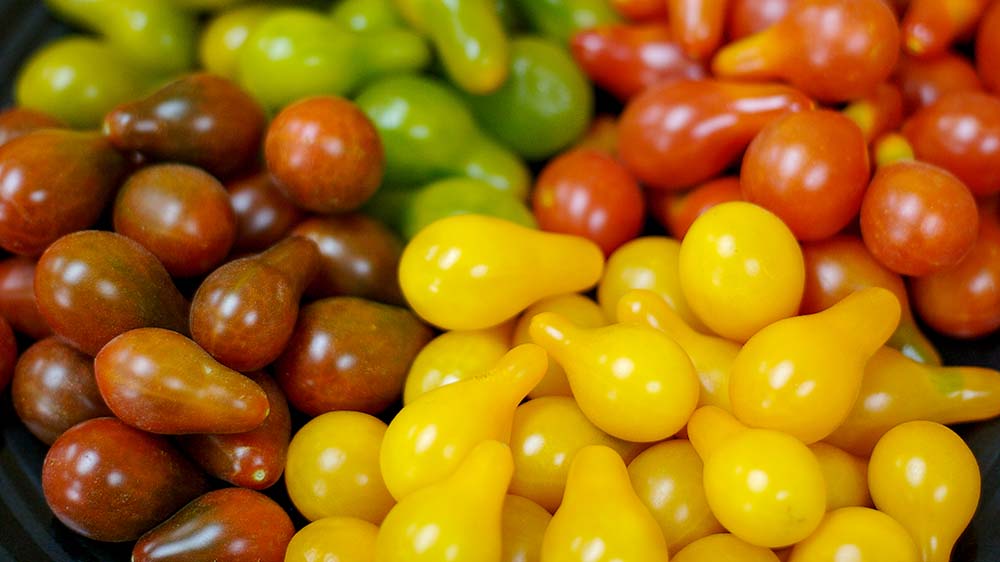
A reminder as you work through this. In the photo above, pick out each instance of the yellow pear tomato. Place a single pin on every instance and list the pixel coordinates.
(546, 435)
(340, 539)
(741, 269)
(333, 468)
(650, 262)
(667, 477)
(724, 547)
(858, 534)
(579, 309)
(455, 356)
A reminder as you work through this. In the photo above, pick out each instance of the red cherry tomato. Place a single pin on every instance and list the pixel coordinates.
(917, 218)
(588, 193)
(924, 81)
(810, 169)
(961, 133)
(677, 211)
(964, 301)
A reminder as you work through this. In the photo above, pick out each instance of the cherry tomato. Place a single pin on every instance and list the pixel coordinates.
(961, 133)
(964, 300)
(741, 269)
(923, 81)
(810, 169)
(588, 193)
(917, 218)
(333, 468)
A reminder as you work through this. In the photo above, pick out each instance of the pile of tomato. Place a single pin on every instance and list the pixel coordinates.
(384, 256)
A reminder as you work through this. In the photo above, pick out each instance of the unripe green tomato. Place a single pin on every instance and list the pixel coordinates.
(226, 34)
(462, 196)
(294, 53)
(545, 104)
(366, 15)
(77, 80)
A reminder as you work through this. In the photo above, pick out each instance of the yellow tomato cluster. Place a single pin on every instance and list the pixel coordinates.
(687, 414)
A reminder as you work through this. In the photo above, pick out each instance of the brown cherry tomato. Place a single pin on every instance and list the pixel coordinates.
(230, 524)
(263, 214)
(833, 50)
(162, 382)
(92, 286)
(923, 81)
(180, 214)
(964, 301)
(325, 154)
(17, 298)
(675, 136)
(961, 133)
(917, 218)
(54, 182)
(199, 119)
(988, 48)
(254, 459)
(625, 59)
(678, 211)
(54, 389)
(747, 17)
(244, 312)
(840, 265)
(588, 193)
(811, 169)
(111, 482)
(359, 257)
(349, 354)
(16, 122)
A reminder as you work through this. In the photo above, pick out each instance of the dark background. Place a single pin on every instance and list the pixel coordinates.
(29, 532)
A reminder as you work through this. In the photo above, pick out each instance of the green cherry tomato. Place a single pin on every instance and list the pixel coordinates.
(545, 104)
(77, 80)
(462, 196)
(226, 34)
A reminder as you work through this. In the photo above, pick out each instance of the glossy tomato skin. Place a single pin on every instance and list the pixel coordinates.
(923, 81)
(111, 482)
(263, 214)
(18, 121)
(17, 298)
(358, 256)
(674, 136)
(245, 311)
(960, 132)
(811, 169)
(348, 353)
(232, 524)
(54, 389)
(588, 193)
(325, 154)
(179, 213)
(917, 218)
(92, 270)
(626, 59)
(254, 459)
(964, 301)
(747, 17)
(200, 119)
(988, 48)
